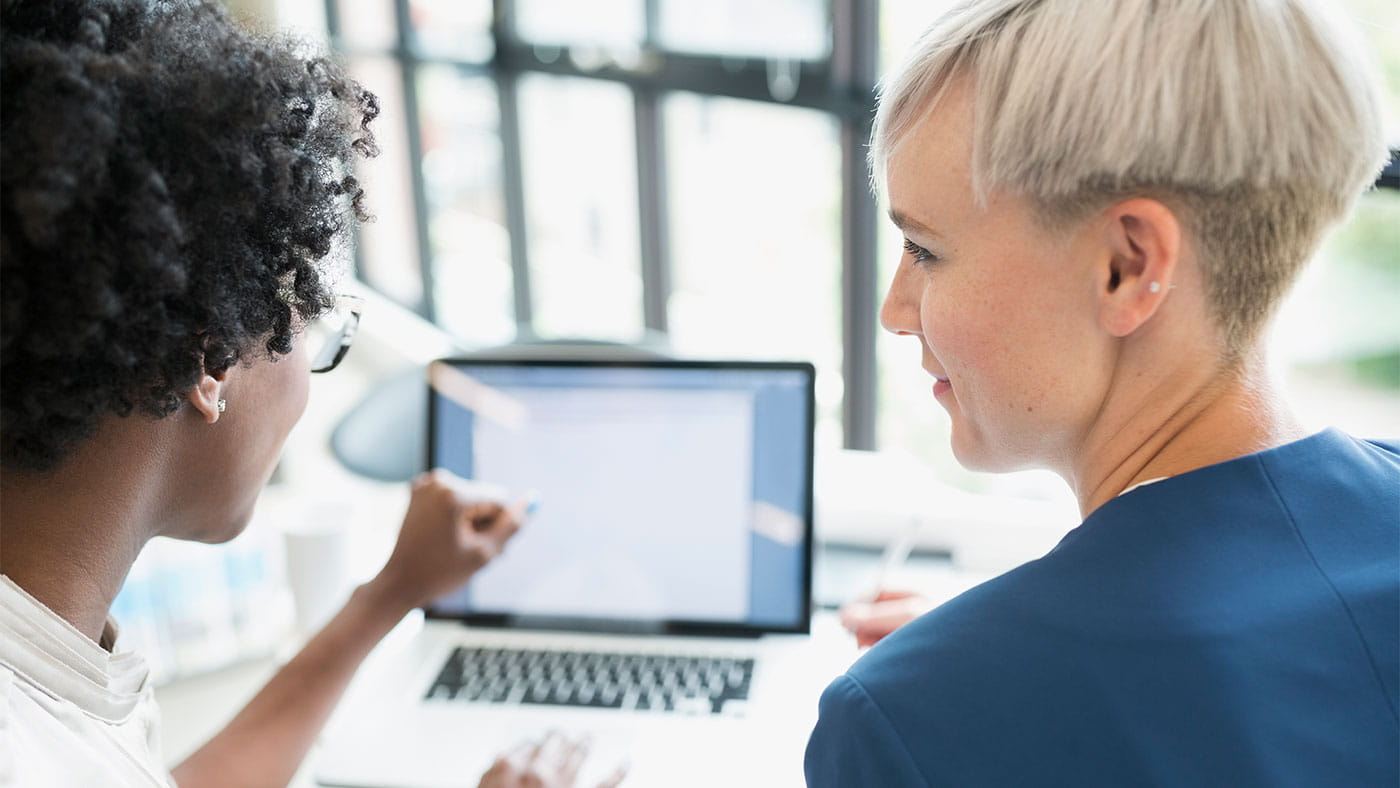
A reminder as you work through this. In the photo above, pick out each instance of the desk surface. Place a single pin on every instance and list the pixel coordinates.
(195, 708)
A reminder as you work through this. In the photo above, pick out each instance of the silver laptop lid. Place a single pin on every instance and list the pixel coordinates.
(676, 496)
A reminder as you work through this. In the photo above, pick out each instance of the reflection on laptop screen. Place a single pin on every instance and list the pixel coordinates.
(673, 492)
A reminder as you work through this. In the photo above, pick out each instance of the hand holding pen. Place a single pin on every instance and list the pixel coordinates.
(452, 529)
(887, 609)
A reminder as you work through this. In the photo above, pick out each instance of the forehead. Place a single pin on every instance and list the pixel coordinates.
(930, 169)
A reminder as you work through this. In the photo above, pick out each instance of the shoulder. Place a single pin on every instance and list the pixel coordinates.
(47, 740)
(1332, 456)
(1337, 476)
(1341, 495)
(1343, 503)
(1326, 480)
(856, 743)
(1217, 578)
(918, 707)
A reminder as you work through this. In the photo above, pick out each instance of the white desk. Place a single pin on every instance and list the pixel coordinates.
(196, 708)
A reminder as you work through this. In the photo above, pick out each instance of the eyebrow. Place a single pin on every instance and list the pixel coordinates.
(906, 223)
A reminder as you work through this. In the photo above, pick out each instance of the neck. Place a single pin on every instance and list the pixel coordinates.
(1186, 421)
(72, 534)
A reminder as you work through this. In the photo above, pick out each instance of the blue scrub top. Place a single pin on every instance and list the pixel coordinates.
(1236, 625)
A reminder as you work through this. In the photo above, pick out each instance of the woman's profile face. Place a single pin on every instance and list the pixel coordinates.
(1004, 307)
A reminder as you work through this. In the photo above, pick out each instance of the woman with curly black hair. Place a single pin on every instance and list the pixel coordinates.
(173, 189)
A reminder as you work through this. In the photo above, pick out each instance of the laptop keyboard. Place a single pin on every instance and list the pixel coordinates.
(637, 682)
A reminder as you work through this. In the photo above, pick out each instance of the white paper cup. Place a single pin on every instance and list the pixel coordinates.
(318, 562)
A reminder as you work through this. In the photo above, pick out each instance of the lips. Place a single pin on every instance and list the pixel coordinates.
(941, 384)
(936, 376)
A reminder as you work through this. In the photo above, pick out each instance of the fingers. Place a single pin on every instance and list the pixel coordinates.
(483, 517)
(887, 603)
(480, 503)
(521, 755)
(854, 615)
(871, 621)
(501, 774)
(889, 595)
(496, 523)
(545, 760)
(573, 760)
(855, 612)
(452, 528)
(615, 779)
(866, 638)
(872, 631)
(887, 620)
(552, 761)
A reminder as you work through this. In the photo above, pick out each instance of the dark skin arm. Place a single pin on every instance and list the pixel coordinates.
(445, 539)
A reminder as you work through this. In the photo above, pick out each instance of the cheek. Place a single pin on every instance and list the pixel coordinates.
(960, 325)
(297, 383)
(284, 390)
(1001, 348)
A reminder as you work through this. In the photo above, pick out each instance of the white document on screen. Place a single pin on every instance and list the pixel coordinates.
(644, 514)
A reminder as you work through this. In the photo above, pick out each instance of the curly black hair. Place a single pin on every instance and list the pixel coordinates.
(172, 186)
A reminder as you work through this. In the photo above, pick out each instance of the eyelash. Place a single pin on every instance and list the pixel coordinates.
(921, 255)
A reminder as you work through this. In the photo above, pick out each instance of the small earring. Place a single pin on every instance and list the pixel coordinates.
(1154, 287)
(222, 405)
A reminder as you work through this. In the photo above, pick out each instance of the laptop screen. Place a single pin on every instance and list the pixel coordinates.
(675, 496)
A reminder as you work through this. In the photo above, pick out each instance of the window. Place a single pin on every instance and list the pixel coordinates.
(623, 169)
(755, 204)
(578, 150)
(461, 169)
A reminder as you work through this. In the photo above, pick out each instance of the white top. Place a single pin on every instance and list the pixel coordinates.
(1143, 484)
(71, 714)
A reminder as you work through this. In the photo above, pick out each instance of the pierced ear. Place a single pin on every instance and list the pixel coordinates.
(205, 396)
(1144, 247)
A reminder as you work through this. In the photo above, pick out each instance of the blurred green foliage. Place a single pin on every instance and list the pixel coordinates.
(1379, 22)
(1371, 239)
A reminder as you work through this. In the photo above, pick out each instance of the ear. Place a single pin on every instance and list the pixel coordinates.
(1143, 239)
(205, 396)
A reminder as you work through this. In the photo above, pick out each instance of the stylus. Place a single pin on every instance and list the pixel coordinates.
(896, 553)
(531, 500)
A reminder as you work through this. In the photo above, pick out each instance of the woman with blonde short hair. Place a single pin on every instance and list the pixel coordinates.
(1102, 205)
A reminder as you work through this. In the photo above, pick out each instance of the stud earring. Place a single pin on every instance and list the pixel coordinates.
(1154, 287)
(222, 404)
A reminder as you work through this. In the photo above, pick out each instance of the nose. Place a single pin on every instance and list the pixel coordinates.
(900, 312)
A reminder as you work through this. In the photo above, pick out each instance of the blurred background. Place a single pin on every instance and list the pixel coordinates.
(696, 169)
(689, 175)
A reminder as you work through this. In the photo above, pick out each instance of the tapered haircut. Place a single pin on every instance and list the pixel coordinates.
(1258, 121)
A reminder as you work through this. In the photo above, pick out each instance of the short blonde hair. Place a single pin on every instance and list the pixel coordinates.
(1259, 120)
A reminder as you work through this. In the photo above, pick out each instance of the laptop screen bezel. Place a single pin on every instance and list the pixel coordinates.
(802, 625)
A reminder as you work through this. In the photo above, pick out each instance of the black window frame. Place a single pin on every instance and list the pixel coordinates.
(841, 85)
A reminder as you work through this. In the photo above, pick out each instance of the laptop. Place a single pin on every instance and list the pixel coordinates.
(657, 600)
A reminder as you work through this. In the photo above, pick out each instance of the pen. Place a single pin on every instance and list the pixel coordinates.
(522, 509)
(896, 553)
(531, 501)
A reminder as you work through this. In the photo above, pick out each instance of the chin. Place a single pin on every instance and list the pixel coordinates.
(222, 532)
(975, 453)
(229, 535)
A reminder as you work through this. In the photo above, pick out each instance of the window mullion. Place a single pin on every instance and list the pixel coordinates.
(652, 208)
(506, 73)
(854, 55)
(408, 69)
